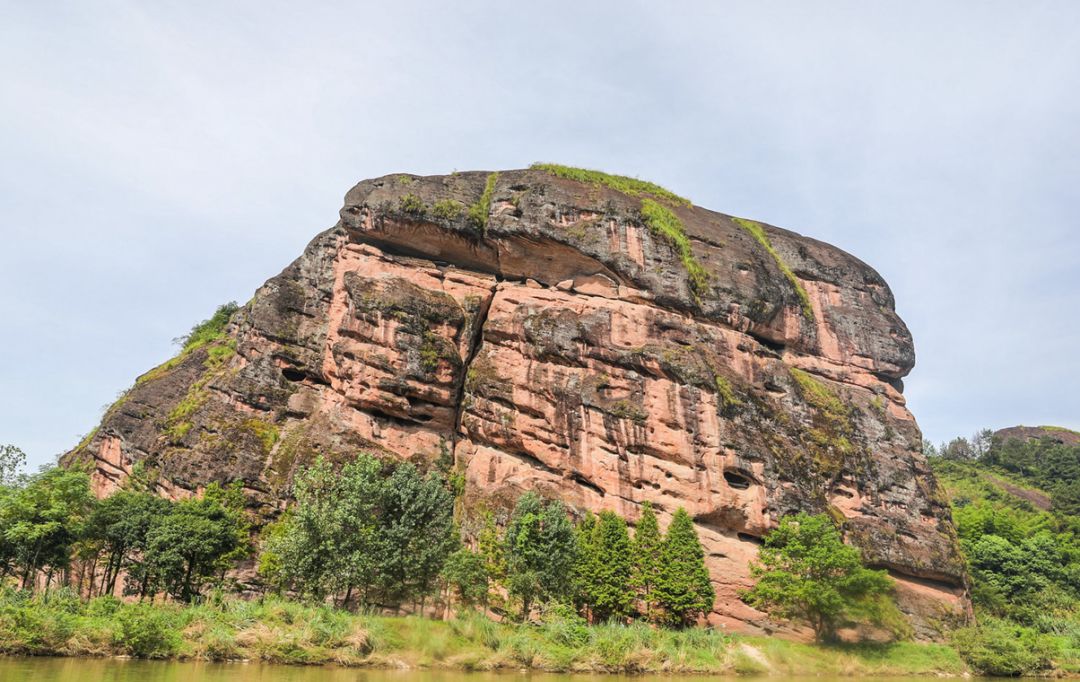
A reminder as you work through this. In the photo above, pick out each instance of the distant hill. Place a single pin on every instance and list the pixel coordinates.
(1057, 434)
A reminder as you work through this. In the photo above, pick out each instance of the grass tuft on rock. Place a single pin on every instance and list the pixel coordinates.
(758, 232)
(619, 183)
(663, 223)
(201, 335)
(479, 212)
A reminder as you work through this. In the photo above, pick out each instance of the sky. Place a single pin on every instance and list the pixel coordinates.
(158, 159)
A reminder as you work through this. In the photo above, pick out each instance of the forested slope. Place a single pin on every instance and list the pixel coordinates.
(1015, 504)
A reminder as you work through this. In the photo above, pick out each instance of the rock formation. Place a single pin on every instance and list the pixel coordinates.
(591, 337)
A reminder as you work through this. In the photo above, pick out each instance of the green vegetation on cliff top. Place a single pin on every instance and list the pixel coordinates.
(479, 212)
(619, 183)
(655, 213)
(201, 335)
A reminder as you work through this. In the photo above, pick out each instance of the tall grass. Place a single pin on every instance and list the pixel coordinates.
(276, 630)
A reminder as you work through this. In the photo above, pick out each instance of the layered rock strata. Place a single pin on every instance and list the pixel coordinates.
(537, 332)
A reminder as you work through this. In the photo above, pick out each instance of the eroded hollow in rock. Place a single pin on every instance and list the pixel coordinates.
(292, 374)
(737, 480)
(747, 537)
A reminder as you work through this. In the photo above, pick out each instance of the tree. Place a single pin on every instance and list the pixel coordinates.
(540, 552)
(12, 459)
(647, 558)
(586, 563)
(608, 591)
(560, 552)
(683, 589)
(958, 449)
(806, 572)
(466, 574)
(981, 443)
(41, 521)
(196, 540)
(383, 530)
(489, 543)
(327, 542)
(116, 533)
(414, 533)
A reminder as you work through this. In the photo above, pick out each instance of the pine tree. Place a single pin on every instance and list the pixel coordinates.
(611, 592)
(647, 558)
(683, 589)
(586, 565)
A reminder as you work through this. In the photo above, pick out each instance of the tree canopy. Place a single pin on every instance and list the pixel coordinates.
(806, 572)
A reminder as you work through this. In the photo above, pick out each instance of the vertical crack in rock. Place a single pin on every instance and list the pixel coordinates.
(476, 340)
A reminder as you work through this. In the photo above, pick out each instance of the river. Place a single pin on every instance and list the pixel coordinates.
(115, 670)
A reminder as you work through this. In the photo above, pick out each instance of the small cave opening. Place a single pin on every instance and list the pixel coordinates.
(775, 346)
(753, 539)
(737, 480)
(292, 374)
(582, 481)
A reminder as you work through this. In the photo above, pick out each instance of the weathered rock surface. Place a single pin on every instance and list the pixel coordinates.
(562, 347)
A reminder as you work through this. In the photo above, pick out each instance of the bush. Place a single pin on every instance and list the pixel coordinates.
(143, 631)
(103, 607)
(33, 629)
(997, 647)
(564, 626)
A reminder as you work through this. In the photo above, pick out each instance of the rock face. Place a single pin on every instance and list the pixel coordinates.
(537, 332)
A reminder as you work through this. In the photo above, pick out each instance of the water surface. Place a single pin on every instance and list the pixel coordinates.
(114, 670)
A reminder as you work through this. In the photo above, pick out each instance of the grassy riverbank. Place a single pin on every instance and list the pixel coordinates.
(278, 631)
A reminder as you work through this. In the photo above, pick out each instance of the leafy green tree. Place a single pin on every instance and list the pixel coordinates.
(524, 553)
(683, 589)
(466, 574)
(560, 550)
(195, 542)
(42, 520)
(270, 565)
(806, 572)
(489, 543)
(540, 552)
(1066, 498)
(647, 553)
(415, 533)
(12, 459)
(380, 530)
(116, 535)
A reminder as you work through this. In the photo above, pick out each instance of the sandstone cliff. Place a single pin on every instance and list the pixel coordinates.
(596, 339)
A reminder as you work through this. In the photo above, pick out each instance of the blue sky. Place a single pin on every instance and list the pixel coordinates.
(161, 158)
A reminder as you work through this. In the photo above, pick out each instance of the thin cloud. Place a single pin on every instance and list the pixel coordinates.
(159, 161)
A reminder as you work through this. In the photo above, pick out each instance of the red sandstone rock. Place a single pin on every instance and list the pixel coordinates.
(561, 348)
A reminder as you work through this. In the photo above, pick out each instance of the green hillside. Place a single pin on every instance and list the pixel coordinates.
(1015, 507)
